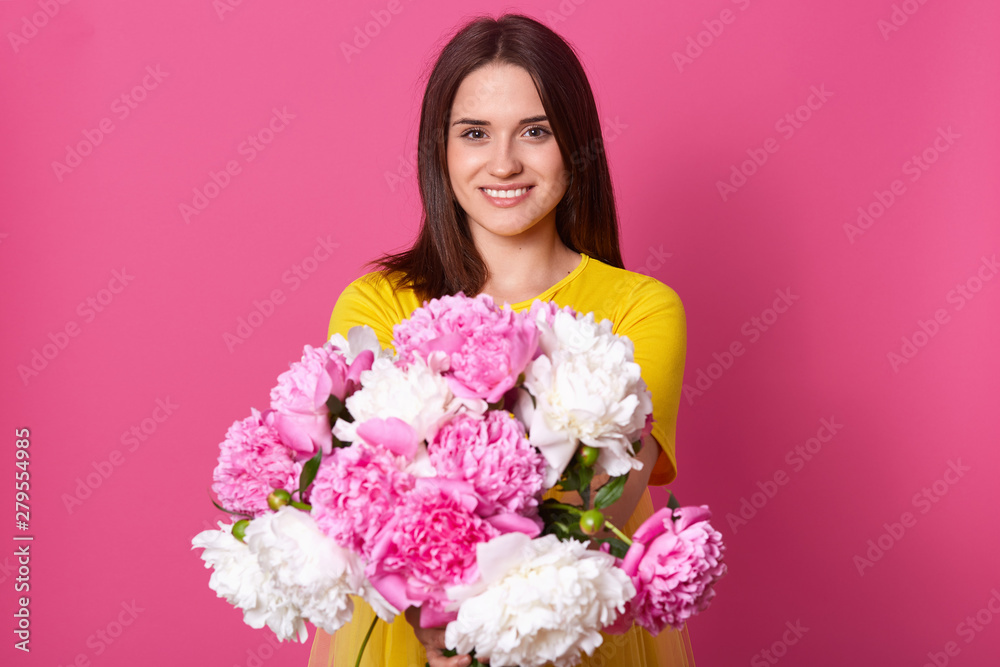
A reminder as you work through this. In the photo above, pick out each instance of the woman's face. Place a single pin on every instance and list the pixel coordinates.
(503, 160)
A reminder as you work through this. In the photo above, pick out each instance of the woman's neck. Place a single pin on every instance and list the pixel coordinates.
(522, 268)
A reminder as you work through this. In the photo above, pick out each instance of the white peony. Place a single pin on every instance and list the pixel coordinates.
(537, 601)
(416, 395)
(587, 388)
(238, 577)
(359, 339)
(314, 573)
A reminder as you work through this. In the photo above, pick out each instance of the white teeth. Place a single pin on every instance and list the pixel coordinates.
(505, 194)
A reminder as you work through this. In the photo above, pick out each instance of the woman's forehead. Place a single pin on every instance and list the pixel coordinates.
(497, 93)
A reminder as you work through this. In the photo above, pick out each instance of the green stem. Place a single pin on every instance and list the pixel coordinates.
(365, 642)
(619, 534)
(301, 506)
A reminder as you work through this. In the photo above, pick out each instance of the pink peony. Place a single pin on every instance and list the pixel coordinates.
(392, 433)
(428, 545)
(355, 493)
(493, 455)
(481, 348)
(303, 419)
(253, 462)
(674, 561)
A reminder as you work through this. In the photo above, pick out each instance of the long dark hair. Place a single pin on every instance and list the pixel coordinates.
(444, 259)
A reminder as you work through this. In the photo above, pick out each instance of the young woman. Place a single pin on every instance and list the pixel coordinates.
(518, 205)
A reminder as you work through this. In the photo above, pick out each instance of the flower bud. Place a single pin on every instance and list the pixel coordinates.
(240, 529)
(278, 498)
(591, 521)
(588, 455)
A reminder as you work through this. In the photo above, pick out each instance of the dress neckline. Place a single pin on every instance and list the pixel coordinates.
(547, 294)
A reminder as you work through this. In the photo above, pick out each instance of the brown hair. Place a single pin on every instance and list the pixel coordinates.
(443, 259)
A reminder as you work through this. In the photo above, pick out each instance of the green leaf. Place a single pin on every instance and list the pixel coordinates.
(335, 406)
(672, 501)
(572, 531)
(576, 477)
(556, 521)
(610, 492)
(560, 522)
(586, 476)
(220, 507)
(553, 529)
(309, 470)
(337, 409)
(548, 505)
(570, 480)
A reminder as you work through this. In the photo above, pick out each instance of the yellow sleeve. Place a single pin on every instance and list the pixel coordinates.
(364, 302)
(655, 323)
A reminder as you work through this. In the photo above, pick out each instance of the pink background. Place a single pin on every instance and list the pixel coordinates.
(339, 171)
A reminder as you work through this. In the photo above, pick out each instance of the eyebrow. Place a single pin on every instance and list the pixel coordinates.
(524, 121)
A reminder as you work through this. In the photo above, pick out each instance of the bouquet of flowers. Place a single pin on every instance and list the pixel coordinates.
(415, 477)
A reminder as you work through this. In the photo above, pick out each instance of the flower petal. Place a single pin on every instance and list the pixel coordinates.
(392, 433)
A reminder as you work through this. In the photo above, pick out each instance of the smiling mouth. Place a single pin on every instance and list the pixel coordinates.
(506, 194)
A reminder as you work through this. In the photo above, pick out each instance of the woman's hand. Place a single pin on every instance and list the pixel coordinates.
(433, 641)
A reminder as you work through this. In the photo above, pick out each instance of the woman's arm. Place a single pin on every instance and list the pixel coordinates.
(621, 510)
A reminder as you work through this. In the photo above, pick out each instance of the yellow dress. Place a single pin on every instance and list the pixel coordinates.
(642, 308)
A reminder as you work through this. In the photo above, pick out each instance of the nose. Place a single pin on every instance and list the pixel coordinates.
(503, 161)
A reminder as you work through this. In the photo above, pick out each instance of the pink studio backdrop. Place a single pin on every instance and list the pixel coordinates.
(817, 181)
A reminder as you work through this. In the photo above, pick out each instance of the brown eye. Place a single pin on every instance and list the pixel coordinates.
(472, 130)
